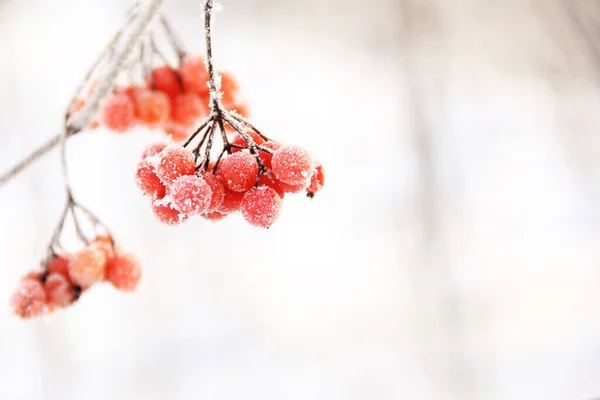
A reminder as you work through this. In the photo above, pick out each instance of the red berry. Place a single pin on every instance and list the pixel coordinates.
(214, 216)
(105, 245)
(292, 165)
(217, 189)
(261, 206)
(239, 171)
(118, 113)
(191, 195)
(59, 290)
(87, 266)
(165, 80)
(188, 108)
(35, 275)
(317, 181)
(124, 272)
(268, 157)
(167, 214)
(147, 180)
(132, 91)
(240, 141)
(59, 265)
(231, 201)
(194, 76)
(153, 107)
(178, 132)
(286, 187)
(29, 300)
(173, 163)
(266, 180)
(153, 149)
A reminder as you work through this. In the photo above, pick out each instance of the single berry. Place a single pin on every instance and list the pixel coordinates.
(266, 180)
(231, 201)
(194, 76)
(118, 113)
(261, 206)
(153, 149)
(87, 266)
(217, 189)
(191, 195)
(165, 80)
(124, 272)
(59, 265)
(177, 132)
(153, 107)
(268, 157)
(317, 181)
(292, 165)
(287, 188)
(166, 214)
(188, 108)
(240, 141)
(29, 300)
(59, 290)
(147, 180)
(104, 244)
(239, 171)
(132, 92)
(173, 163)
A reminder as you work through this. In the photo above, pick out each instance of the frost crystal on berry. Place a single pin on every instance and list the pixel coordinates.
(261, 206)
(239, 171)
(292, 165)
(191, 195)
(173, 163)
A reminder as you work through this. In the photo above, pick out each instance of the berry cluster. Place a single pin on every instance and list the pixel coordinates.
(181, 187)
(65, 277)
(171, 99)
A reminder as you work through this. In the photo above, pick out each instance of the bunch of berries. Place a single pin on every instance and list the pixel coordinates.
(66, 277)
(179, 188)
(174, 100)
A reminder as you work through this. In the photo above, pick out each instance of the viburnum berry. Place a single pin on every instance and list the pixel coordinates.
(132, 91)
(153, 107)
(147, 180)
(173, 163)
(60, 292)
(124, 272)
(231, 201)
(178, 132)
(217, 189)
(153, 149)
(58, 265)
(292, 165)
(287, 188)
(167, 214)
(194, 76)
(266, 180)
(261, 206)
(118, 113)
(240, 141)
(165, 79)
(317, 181)
(191, 195)
(104, 244)
(239, 171)
(29, 300)
(268, 157)
(188, 108)
(87, 266)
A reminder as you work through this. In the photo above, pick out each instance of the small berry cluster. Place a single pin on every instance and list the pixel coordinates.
(239, 181)
(65, 277)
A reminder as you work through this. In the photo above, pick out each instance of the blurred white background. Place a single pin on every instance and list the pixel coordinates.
(454, 253)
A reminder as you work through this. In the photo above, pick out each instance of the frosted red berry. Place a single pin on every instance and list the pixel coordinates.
(167, 214)
(194, 76)
(240, 141)
(266, 180)
(317, 181)
(268, 157)
(261, 206)
(124, 272)
(147, 180)
(191, 195)
(58, 265)
(173, 163)
(165, 80)
(105, 245)
(217, 189)
(239, 171)
(231, 201)
(87, 266)
(292, 165)
(153, 149)
(29, 300)
(153, 107)
(287, 188)
(60, 292)
(118, 113)
(188, 108)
